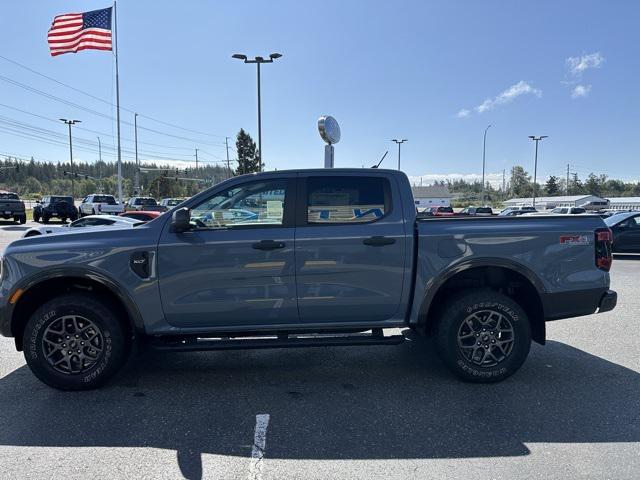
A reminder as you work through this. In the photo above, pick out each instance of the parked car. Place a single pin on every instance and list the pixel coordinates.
(99, 203)
(439, 212)
(515, 211)
(12, 207)
(626, 231)
(171, 202)
(560, 211)
(88, 221)
(477, 211)
(143, 203)
(141, 215)
(334, 257)
(55, 206)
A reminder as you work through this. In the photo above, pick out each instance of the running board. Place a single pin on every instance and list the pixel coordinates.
(194, 343)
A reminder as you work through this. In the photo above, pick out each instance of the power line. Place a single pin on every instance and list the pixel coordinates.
(100, 114)
(106, 101)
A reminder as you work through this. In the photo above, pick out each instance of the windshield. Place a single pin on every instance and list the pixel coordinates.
(108, 199)
(145, 201)
(61, 199)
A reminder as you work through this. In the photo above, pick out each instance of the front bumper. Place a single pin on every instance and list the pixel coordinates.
(608, 301)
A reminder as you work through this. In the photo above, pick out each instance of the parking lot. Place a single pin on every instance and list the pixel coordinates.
(572, 411)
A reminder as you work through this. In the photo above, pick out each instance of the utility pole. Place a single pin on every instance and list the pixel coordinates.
(399, 142)
(504, 183)
(100, 161)
(69, 123)
(484, 151)
(137, 177)
(196, 162)
(535, 168)
(567, 186)
(258, 61)
(226, 142)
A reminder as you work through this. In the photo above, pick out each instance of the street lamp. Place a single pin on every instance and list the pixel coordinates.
(71, 122)
(136, 187)
(535, 167)
(484, 150)
(258, 61)
(399, 142)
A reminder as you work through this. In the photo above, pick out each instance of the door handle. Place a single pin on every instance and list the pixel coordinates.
(268, 245)
(378, 241)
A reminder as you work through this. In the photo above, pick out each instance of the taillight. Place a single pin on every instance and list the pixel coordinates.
(604, 257)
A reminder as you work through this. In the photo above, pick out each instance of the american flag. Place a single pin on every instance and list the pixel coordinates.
(73, 32)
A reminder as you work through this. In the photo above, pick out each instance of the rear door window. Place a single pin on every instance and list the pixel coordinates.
(334, 200)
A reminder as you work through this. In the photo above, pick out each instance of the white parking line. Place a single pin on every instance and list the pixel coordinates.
(259, 444)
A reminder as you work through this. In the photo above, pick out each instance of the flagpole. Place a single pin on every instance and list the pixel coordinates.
(115, 33)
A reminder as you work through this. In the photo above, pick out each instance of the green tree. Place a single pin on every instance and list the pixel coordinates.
(248, 155)
(552, 187)
(31, 187)
(595, 184)
(520, 182)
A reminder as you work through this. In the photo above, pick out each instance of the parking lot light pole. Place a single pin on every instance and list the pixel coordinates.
(71, 122)
(258, 61)
(535, 166)
(484, 151)
(136, 190)
(399, 142)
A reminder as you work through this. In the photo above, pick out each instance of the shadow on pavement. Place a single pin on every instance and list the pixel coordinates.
(329, 403)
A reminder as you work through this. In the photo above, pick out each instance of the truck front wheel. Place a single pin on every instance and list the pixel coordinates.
(483, 336)
(74, 342)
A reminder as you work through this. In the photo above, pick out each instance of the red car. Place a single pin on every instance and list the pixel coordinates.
(440, 211)
(143, 215)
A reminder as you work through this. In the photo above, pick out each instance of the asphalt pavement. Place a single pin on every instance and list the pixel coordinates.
(393, 412)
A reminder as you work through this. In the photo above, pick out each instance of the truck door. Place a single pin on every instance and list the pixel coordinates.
(350, 248)
(235, 267)
(627, 235)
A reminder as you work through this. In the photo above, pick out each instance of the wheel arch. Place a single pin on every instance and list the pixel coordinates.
(511, 278)
(45, 287)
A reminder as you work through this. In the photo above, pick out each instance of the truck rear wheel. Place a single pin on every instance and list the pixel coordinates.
(74, 342)
(483, 336)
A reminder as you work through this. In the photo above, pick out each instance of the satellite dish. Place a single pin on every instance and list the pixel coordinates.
(329, 129)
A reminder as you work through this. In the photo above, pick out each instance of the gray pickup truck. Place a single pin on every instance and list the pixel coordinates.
(299, 259)
(12, 207)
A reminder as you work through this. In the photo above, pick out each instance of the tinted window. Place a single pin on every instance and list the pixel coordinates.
(108, 199)
(484, 210)
(250, 204)
(9, 196)
(61, 199)
(445, 210)
(145, 201)
(345, 199)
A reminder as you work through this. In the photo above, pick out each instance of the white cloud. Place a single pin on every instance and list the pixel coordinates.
(495, 179)
(580, 91)
(507, 96)
(577, 65)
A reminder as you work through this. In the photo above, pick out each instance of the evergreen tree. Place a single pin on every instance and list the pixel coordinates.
(552, 187)
(248, 155)
(520, 182)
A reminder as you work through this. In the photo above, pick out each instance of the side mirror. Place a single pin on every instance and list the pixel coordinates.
(180, 220)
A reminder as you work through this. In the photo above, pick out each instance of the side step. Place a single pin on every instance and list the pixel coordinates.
(281, 340)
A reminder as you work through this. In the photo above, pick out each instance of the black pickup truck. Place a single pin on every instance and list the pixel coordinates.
(57, 206)
(12, 207)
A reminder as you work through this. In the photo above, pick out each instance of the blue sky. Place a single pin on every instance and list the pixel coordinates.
(436, 73)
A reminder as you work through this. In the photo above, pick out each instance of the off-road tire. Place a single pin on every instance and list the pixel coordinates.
(461, 341)
(36, 218)
(105, 340)
(45, 218)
